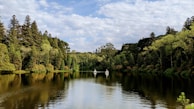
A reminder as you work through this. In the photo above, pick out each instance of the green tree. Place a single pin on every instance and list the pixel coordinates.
(2, 32)
(45, 52)
(53, 57)
(14, 31)
(58, 60)
(15, 57)
(27, 33)
(4, 59)
(33, 59)
(62, 65)
(36, 37)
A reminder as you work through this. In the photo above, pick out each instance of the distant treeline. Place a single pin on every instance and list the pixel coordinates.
(25, 47)
(171, 54)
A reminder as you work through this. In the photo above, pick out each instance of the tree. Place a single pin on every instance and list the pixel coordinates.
(62, 65)
(2, 32)
(27, 33)
(187, 24)
(45, 50)
(152, 35)
(35, 34)
(170, 30)
(27, 21)
(4, 54)
(33, 60)
(14, 31)
(15, 57)
(107, 51)
(4, 59)
(58, 60)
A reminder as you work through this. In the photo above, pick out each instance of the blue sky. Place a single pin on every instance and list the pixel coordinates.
(88, 24)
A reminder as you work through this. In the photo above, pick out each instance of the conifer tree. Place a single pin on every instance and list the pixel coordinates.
(27, 33)
(14, 31)
(35, 34)
(2, 32)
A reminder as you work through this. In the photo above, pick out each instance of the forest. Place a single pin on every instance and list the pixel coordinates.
(170, 54)
(24, 47)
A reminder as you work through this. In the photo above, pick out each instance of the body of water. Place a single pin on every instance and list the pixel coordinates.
(38, 91)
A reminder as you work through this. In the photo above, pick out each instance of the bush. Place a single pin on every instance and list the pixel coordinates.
(190, 106)
(7, 67)
(38, 68)
(49, 68)
(5, 64)
(182, 99)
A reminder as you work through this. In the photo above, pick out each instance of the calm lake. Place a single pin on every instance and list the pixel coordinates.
(52, 91)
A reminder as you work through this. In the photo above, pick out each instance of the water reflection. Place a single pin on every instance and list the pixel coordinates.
(160, 90)
(30, 91)
(39, 90)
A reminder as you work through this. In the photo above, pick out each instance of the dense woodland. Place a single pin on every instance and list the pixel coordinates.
(24, 47)
(170, 54)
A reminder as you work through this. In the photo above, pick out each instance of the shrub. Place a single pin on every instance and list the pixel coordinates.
(49, 68)
(190, 106)
(7, 67)
(184, 101)
(38, 68)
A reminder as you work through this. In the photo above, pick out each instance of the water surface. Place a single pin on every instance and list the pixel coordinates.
(52, 91)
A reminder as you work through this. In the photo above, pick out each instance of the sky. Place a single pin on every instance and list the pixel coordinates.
(89, 24)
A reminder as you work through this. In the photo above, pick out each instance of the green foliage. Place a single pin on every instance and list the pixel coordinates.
(15, 57)
(182, 99)
(27, 49)
(49, 68)
(5, 60)
(4, 55)
(2, 32)
(190, 106)
(62, 65)
(7, 67)
(38, 68)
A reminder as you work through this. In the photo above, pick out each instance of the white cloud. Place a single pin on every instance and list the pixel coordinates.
(43, 3)
(116, 21)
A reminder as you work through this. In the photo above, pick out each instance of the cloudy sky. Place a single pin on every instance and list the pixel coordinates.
(88, 24)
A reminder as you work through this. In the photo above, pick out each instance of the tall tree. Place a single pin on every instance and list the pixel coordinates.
(2, 32)
(27, 33)
(14, 30)
(27, 21)
(35, 34)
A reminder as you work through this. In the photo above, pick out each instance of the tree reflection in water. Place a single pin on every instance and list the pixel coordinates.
(30, 91)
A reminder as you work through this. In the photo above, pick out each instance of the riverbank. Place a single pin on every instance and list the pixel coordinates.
(157, 72)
